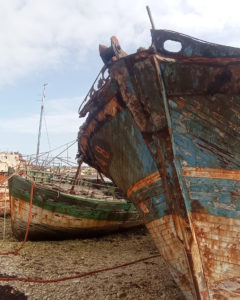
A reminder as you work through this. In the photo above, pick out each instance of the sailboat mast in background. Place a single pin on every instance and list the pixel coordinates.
(40, 121)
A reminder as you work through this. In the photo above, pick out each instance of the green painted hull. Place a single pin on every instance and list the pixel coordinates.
(60, 215)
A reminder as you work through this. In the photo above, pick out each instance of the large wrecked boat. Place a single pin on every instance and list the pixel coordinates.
(165, 127)
(51, 212)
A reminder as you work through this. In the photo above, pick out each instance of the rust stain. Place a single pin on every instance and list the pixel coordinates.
(143, 182)
(185, 116)
(212, 60)
(218, 239)
(102, 162)
(110, 109)
(220, 80)
(211, 173)
(208, 245)
(222, 119)
(143, 207)
(103, 152)
(197, 207)
(181, 103)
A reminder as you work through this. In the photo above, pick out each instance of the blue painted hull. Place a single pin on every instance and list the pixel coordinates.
(168, 135)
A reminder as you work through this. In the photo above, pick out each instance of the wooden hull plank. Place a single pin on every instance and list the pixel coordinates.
(173, 148)
(57, 215)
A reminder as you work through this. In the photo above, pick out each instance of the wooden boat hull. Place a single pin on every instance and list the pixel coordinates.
(166, 130)
(56, 215)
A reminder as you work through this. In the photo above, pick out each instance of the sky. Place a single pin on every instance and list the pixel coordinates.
(56, 42)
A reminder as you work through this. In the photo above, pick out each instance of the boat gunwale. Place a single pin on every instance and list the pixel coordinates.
(80, 198)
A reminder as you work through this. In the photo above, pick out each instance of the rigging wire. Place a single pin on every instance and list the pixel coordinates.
(70, 163)
(43, 153)
(32, 157)
(62, 152)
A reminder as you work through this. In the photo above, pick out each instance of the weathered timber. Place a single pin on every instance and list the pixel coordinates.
(165, 127)
(57, 215)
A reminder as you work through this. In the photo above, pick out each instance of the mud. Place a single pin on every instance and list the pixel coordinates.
(148, 280)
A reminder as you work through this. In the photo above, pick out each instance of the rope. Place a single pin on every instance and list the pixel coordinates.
(63, 278)
(28, 225)
(77, 276)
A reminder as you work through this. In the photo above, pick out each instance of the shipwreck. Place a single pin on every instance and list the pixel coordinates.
(165, 127)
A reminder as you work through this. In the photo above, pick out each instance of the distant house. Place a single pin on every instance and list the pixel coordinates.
(9, 161)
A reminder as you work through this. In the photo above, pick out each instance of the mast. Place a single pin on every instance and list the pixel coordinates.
(40, 122)
(150, 17)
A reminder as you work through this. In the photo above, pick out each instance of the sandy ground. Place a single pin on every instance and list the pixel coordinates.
(49, 260)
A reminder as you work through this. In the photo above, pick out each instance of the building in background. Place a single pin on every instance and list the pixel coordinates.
(9, 162)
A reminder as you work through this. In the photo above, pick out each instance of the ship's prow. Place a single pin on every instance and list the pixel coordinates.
(166, 128)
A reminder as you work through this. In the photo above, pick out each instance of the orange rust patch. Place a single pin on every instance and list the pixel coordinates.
(84, 139)
(102, 151)
(102, 162)
(211, 173)
(173, 252)
(180, 102)
(144, 207)
(143, 182)
(110, 109)
(218, 241)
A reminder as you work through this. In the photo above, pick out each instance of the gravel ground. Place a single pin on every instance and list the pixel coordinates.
(49, 260)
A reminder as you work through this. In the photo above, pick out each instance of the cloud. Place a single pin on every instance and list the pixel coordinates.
(62, 124)
(40, 36)
(60, 114)
(43, 34)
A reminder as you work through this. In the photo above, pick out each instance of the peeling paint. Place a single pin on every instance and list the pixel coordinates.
(180, 115)
(56, 215)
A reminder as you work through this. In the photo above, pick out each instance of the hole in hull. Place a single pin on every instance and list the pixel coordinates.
(172, 46)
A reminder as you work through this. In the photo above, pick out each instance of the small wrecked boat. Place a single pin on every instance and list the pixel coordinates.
(165, 127)
(55, 214)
